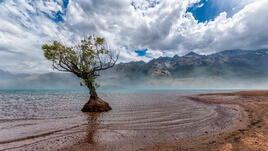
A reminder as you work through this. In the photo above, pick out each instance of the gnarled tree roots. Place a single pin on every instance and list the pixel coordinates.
(96, 105)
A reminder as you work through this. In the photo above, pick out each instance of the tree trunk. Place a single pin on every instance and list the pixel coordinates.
(95, 104)
(93, 93)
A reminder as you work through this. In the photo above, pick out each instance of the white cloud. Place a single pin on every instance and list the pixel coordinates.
(154, 53)
(201, 5)
(163, 27)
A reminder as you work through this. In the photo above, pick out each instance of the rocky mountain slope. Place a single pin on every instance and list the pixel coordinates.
(238, 63)
(193, 69)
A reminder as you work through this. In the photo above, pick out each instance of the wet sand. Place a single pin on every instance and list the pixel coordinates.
(250, 134)
(164, 121)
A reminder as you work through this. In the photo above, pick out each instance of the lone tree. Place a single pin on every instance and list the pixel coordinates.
(85, 60)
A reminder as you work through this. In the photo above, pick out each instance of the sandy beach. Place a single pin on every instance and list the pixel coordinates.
(191, 122)
(250, 134)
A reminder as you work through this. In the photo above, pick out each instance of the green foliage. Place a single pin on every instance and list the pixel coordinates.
(85, 59)
(97, 85)
(81, 84)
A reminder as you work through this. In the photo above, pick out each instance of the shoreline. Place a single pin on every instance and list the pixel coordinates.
(249, 134)
(230, 121)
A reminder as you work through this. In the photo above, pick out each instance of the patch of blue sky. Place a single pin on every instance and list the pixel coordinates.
(141, 52)
(207, 10)
(57, 16)
(65, 4)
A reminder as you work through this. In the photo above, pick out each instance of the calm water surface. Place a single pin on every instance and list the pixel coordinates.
(32, 119)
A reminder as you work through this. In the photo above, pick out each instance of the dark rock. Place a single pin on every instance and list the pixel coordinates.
(96, 105)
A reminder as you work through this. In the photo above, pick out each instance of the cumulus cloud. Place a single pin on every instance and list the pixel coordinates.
(162, 27)
(242, 31)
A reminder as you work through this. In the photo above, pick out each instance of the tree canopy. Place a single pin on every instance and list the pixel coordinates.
(85, 59)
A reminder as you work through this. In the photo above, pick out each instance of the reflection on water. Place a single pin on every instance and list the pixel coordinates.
(53, 120)
(93, 124)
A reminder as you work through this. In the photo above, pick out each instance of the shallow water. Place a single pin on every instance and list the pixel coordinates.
(52, 120)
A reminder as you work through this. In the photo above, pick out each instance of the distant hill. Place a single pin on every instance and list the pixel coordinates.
(226, 69)
(4, 75)
(229, 63)
(229, 68)
(38, 81)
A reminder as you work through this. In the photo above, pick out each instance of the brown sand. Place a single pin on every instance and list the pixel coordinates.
(241, 120)
(251, 134)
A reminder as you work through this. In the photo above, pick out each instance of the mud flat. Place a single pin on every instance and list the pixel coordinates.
(250, 134)
(143, 121)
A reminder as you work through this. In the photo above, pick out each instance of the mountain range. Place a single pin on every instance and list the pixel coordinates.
(234, 63)
(227, 67)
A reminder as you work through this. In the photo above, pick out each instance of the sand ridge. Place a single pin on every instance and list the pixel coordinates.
(250, 134)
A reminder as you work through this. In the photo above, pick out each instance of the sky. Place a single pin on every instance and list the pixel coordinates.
(139, 29)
